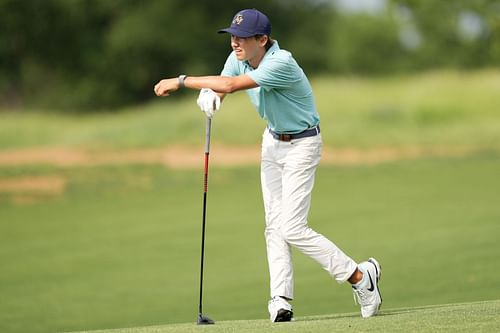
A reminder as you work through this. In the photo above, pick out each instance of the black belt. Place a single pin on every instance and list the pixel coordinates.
(289, 137)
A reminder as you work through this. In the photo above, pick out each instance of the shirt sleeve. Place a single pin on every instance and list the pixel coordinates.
(280, 70)
(231, 67)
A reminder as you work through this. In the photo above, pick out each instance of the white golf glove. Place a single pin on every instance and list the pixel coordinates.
(208, 101)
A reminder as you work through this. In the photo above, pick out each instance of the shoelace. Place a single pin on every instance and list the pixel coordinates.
(360, 297)
(275, 299)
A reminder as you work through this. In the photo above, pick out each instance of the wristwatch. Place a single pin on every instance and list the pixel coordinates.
(181, 80)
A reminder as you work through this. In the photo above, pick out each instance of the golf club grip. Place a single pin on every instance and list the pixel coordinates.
(207, 133)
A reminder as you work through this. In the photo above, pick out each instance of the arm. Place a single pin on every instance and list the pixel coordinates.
(220, 84)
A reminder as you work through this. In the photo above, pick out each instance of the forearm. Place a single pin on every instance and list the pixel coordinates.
(219, 84)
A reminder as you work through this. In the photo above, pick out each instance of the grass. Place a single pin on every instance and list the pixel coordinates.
(446, 108)
(120, 247)
(436, 107)
(455, 318)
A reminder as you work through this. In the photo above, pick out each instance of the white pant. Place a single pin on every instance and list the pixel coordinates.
(287, 177)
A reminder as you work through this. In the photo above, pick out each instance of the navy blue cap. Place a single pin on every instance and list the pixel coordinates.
(248, 23)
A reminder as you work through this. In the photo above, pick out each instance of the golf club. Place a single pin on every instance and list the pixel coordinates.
(203, 320)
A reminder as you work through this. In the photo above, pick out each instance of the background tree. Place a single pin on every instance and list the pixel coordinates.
(91, 54)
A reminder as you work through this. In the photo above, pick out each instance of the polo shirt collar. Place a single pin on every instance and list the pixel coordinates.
(272, 49)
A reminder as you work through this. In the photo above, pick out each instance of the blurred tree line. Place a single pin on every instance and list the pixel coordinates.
(94, 54)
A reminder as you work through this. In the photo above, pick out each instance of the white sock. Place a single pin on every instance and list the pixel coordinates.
(361, 282)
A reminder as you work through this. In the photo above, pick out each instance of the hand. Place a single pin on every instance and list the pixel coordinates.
(166, 86)
(208, 101)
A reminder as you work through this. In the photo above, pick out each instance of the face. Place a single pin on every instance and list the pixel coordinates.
(248, 48)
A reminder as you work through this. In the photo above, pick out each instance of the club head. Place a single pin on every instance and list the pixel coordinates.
(202, 320)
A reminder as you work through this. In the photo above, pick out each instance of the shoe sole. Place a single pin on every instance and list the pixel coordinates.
(283, 315)
(378, 270)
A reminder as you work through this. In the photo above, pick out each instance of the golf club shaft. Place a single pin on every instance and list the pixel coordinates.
(205, 188)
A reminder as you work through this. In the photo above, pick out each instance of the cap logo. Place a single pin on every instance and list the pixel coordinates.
(238, 19)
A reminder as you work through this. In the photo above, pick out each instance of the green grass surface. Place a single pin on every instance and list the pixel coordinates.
(120, 247)
(453, 318)
(447, 108)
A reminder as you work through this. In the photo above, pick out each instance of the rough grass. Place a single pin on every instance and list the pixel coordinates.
(445, 107)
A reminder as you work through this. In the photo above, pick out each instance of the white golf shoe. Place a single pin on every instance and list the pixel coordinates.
(367, 293)
(279, 310)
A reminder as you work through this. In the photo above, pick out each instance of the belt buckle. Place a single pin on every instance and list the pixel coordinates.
(285, 137)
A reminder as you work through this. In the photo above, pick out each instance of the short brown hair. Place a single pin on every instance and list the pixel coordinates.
(269, 41)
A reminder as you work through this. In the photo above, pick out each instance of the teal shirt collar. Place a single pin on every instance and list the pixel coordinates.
(272, 49)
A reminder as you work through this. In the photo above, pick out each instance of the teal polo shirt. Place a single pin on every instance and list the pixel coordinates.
(284, 97)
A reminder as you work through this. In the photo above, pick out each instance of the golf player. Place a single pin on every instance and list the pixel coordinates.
(291, 150)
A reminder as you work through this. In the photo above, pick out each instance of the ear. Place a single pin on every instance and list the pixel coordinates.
(263, 40)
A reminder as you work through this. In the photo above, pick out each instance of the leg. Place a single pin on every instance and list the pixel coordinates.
(278, 251)
(302, 159)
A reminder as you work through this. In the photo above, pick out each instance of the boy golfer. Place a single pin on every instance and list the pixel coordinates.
(291, 149)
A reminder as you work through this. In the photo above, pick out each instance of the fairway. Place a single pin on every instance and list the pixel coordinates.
(452, 318)
(119, 246)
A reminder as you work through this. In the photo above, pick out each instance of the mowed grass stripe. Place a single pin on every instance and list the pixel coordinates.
(464, 317)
